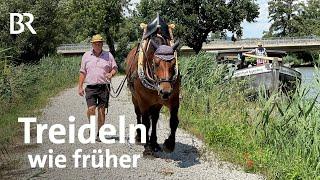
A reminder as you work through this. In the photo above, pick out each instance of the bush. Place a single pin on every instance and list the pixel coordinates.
(292, 59)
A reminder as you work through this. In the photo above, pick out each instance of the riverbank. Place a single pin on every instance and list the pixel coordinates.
(25, 89)
(278, 137)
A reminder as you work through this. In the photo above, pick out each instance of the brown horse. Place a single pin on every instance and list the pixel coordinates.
(154, 85)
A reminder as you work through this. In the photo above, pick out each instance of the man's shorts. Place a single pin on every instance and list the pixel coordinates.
(97, 95)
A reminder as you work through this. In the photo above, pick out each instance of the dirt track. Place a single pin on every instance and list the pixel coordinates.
(188, 161)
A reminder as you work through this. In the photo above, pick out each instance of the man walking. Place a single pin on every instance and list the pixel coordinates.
(97, 69)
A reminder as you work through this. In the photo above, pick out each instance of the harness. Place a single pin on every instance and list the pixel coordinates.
(147, 78)
(147, 74)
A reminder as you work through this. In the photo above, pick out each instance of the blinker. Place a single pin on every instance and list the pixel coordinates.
(165, 53)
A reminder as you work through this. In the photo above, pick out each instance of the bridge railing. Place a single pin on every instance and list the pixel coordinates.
(74, 47)
(267, 41)
(65, 48)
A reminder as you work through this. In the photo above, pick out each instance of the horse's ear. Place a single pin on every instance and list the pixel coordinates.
(176, 45)
(154, 44)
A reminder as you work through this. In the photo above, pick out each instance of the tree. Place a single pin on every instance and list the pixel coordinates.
(310, 18)
(128, 33)
(293, 18)
(284, 17)
(147, 10)
(98, 16)
(29, 47)
(195, 19)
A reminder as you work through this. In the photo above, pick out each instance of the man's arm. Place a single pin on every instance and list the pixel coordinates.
(113, 66)
(82, 77)
(253, 51)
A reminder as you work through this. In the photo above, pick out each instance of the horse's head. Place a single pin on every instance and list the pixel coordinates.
(164, 68)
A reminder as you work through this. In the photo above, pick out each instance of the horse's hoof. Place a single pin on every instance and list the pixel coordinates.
(168, 145)
(148, 152)
(138, 139)
(149, 155)
(156, 148)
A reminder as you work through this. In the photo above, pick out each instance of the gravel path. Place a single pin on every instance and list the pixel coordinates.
(188, 161)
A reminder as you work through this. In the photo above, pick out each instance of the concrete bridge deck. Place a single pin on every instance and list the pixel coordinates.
(285, 44)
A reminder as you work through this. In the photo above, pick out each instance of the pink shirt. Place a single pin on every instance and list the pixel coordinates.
(96, 68)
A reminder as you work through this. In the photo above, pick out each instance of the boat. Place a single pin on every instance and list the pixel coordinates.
(273, 76)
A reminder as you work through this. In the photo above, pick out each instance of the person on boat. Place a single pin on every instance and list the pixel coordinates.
(241, 60)
(259, 51)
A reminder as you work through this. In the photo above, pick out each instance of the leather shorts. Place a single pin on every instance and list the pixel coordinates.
(98, 95)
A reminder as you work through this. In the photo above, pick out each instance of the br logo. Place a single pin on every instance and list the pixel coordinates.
(20, 18)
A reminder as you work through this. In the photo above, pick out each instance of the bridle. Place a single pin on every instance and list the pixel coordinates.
(170, 80)
(149, 78)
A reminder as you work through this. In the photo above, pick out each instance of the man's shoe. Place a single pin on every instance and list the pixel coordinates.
(98, 139)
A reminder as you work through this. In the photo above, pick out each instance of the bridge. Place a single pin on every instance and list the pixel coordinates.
(285, 44)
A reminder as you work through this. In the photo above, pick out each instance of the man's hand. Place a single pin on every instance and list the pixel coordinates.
(109, 76)
(80, 91)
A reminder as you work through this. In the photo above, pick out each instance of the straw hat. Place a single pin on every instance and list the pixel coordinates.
(259, 43)
(97, 38)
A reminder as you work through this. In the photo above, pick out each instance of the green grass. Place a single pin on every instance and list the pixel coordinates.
(25, 89)
(278, 136)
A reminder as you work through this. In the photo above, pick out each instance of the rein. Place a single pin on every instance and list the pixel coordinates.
(120, 87)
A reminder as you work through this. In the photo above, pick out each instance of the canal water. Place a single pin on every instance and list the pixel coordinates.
(308, 75)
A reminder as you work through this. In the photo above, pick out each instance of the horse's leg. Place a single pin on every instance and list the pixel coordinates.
(155, 111)
(146, 122)
(169, 144)
(138, 114)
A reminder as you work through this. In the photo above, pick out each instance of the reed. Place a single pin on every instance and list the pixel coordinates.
(24, 89)
(277, 136)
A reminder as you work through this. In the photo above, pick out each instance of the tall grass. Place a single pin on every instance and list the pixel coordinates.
(24, 89)
(277, 136)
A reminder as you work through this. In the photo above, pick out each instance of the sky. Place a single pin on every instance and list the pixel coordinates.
(255, 30)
